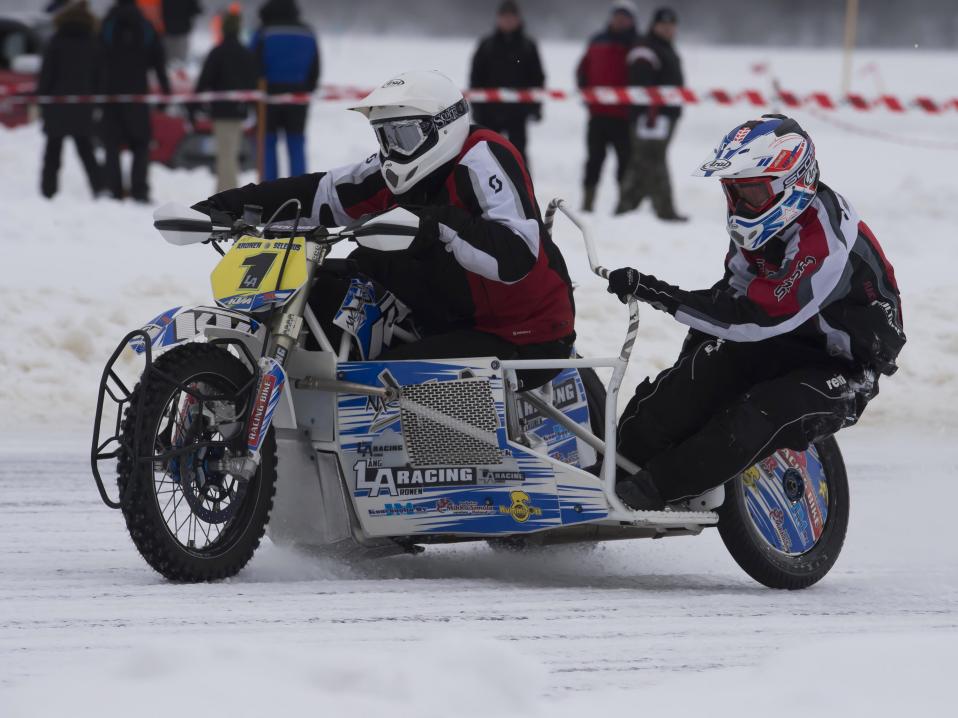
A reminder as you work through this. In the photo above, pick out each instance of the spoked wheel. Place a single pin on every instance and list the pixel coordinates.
(189, 518)
(784, 519)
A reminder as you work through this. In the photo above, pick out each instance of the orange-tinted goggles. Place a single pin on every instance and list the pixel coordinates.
(753, 194)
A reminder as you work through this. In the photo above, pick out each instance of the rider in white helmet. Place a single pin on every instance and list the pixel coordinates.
(786, 348)
(421, 121)
(482, 275)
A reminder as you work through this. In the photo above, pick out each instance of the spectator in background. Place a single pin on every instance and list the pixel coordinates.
(507, 58)
(288, 56)
(153, 12)
(229, 66)
(131, 48)
(604, 65)
(653, 62)
(178, 16)
(70, 66)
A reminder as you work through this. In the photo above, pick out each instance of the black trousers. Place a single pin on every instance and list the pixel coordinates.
(49, 181)
(724, 406)
(129, 127)
(602, 132)
(439, 343)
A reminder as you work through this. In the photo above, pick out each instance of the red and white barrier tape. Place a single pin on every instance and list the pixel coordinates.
(672, 96)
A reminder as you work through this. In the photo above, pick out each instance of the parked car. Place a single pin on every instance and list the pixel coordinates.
(21, 42)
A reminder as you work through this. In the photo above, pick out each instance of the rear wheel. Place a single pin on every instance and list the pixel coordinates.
(784, 519)
(190, 519)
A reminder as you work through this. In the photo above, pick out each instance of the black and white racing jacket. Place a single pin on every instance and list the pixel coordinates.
(825, 280)
(495, 269)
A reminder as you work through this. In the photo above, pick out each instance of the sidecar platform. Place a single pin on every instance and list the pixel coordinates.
(439, 451)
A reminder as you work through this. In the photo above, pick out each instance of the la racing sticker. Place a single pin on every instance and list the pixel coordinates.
(393, 481)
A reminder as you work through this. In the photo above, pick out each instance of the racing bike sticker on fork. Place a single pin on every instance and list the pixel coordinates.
(265, 400)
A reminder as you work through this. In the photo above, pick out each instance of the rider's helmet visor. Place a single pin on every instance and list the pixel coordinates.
(403, 136)
(750, 196)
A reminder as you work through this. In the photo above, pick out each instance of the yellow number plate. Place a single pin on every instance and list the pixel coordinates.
(245, 279)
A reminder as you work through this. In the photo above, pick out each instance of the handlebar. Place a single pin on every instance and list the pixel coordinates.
(562, 206)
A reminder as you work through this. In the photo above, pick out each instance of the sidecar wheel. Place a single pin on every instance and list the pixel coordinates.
(190, 520)
(784, 519)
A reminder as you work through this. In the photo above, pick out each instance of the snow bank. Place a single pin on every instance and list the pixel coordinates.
(463, 674)
(77, 274)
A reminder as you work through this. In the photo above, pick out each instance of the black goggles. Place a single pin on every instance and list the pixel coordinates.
(407, 135)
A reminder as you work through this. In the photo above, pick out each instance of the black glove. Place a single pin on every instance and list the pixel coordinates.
(428, 233)
(220, 217)
(624, 283)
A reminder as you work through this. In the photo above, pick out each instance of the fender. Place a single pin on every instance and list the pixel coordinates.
(185, 324)
(181, 325)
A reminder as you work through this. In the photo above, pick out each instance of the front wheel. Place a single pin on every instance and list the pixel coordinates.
(784, 519)
(188, 517)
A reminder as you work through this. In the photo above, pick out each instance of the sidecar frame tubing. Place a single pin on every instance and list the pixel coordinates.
(619, 364)
(121, 395)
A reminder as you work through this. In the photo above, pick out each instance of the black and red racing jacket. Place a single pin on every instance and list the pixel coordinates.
(496, 269)
(825, 281)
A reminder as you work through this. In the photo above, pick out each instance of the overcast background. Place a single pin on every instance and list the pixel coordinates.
(882, 23)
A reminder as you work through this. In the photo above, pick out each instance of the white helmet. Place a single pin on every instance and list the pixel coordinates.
(769, 174)
(421, 121)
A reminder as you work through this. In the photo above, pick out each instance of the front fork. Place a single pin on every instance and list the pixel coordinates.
(283, 336)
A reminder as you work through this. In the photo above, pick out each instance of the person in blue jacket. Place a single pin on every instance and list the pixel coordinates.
(288, 56)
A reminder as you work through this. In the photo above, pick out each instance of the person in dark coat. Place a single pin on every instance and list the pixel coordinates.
(507, 58)
(604, 65)
(70, 66)
(654, 62)
(288, 56)
(229, 66)
(131, 49)
(178, 16)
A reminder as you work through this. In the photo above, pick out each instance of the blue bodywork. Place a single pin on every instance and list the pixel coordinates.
(507, 490)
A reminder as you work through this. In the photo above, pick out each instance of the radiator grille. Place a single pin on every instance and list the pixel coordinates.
(435, 443)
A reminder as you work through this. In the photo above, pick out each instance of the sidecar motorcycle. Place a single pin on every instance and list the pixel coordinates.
(246, 418)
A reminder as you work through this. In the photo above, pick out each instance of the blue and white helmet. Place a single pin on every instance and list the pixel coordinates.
(769, 174)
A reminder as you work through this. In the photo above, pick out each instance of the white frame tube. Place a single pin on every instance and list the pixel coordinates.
(618, 364)
(317, 330)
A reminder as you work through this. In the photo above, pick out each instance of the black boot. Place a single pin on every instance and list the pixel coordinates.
(639, 492)
(588, 199)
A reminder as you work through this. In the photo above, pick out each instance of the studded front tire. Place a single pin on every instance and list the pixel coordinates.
(191, 522)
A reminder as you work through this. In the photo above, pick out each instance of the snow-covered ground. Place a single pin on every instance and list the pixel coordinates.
(670, 625)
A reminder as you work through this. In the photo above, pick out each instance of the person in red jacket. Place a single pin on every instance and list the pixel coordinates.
(482, 276)
(605, 65)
